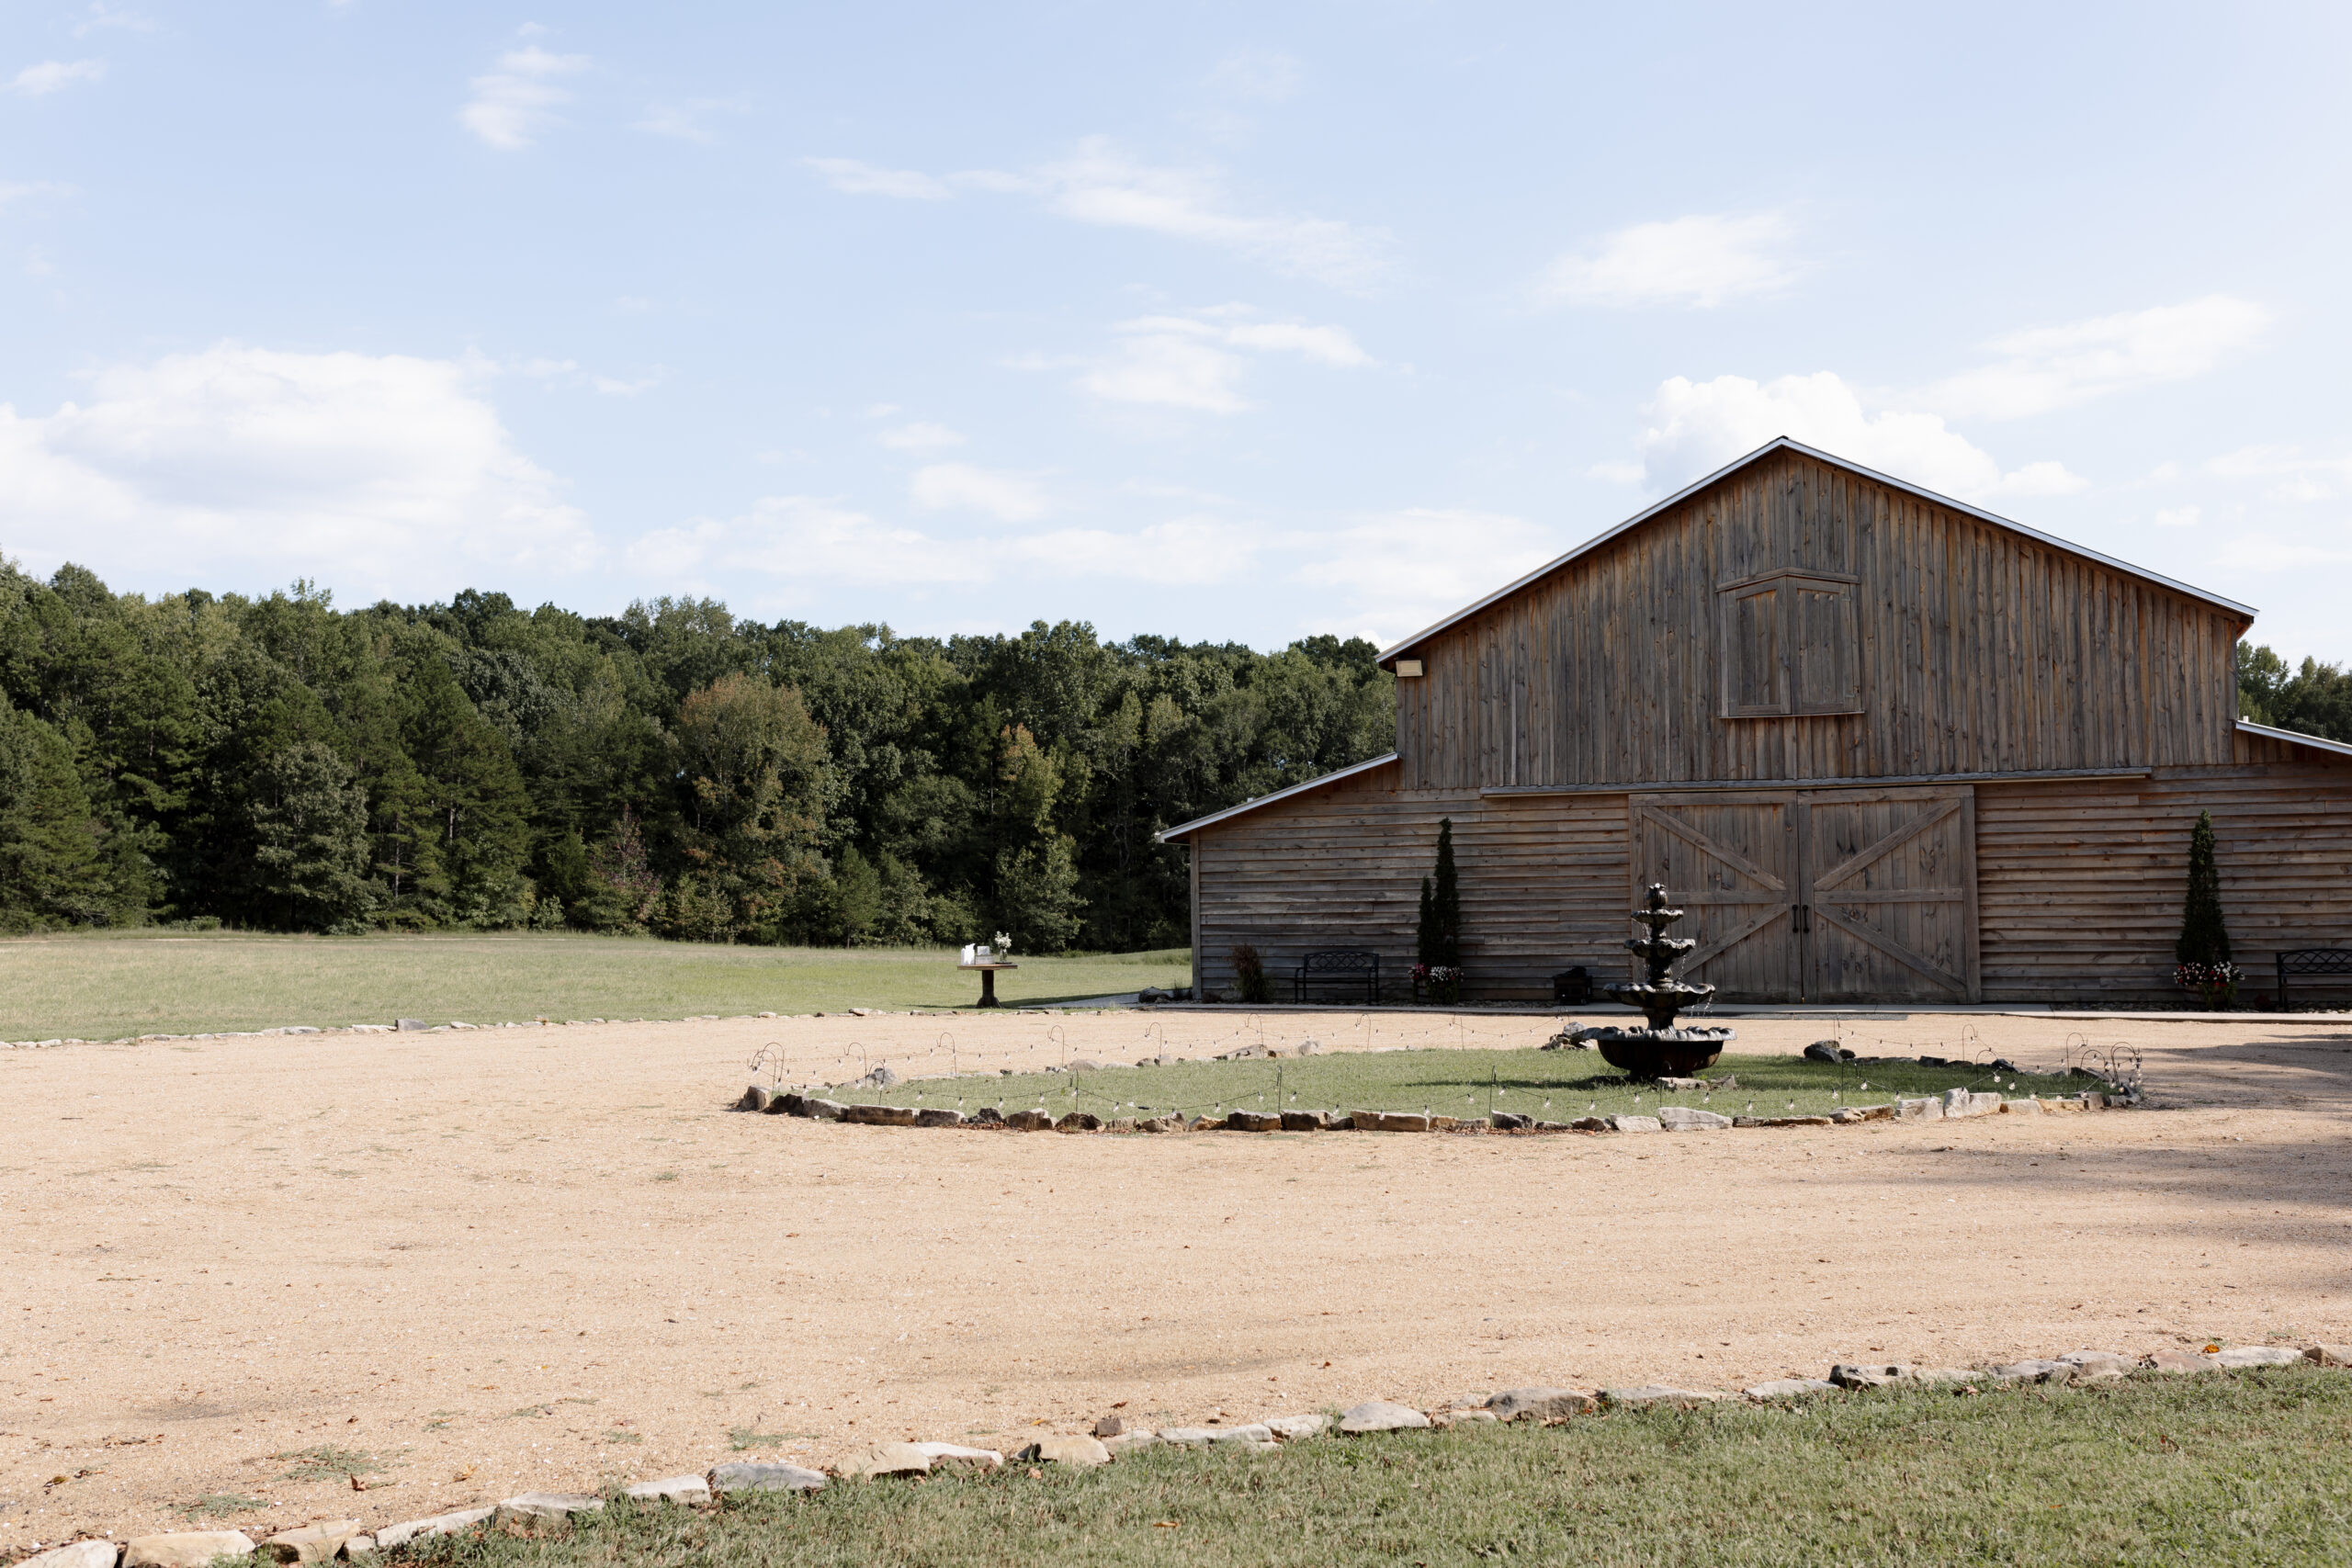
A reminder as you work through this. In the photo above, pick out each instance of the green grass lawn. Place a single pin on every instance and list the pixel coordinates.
(1551, 1085)
(103, 986)
(2213, 1469)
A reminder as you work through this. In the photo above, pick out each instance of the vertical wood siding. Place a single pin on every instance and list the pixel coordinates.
(1981, 650)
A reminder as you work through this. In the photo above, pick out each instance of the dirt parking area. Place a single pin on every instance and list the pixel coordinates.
(465, 1264)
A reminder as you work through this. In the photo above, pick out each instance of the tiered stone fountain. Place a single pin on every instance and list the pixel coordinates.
(1662, 1049)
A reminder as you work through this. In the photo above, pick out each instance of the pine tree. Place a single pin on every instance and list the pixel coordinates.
(51, 871)
(2204, 940)
(311, 851)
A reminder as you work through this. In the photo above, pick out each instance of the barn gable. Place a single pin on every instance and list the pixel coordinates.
(1797, 618)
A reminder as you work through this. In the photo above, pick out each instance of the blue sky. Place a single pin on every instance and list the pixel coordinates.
(1237, 321)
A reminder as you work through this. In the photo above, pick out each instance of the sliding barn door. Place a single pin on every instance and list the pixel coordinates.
(1729, 861)
(1889, 894)
(1863, 895)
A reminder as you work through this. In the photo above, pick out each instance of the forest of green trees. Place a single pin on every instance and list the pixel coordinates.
(279, 764)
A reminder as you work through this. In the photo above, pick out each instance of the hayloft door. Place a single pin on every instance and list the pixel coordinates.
(1730, 861)
(1887, 895)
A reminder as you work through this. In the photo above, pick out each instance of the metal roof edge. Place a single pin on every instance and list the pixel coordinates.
(1781, 443)
(1167, 835)
(2317, 742)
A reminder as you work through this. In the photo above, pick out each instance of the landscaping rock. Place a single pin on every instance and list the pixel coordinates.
(184, 1549)
(408, 1023)
(1193, 1437)
(754, 1099)
(2328, 1355)
(2174, 1361)
(1449, 1123)
(939, 1116)
(1942, 1374)
(986, 1116)
(1634, 1124)
(1827, 1051)
(1305, 1121)
(2259, 1356)
(821, 1109)
(1381, 1415)
(81, 1554)
(1029, 1121)
(2025, 1106)
(1202, 1124)
(1686, 1118)
(1109, 1425)
(1590, 1125)
(1253, 1122)
(1072, 1450)
(1877, 1375)
(957, 1454)
(1084, 1065)
(545, 1506)
(1658, 1393)
(439, 1524)
(316, 1542)
(789, 1102)
(672, 1489)
(357, 1547)
(1539, 1404)
(880, 1078)
(1919, 1110)
(1080, 1122)
(763, 1478)
(2033, 1372)
(880, 1115)
(2097, 1363)
(1127, 1442)
(1682, 1086)
(1389, 1122)
(1293, 1428)
(1510, 1120)
(890, 1458)
(1790, 1388)
(1160, 1124)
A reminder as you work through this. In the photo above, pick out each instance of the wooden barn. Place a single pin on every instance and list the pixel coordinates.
(1884, 748)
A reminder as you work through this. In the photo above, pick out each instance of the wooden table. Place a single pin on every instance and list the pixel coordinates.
(988, 981)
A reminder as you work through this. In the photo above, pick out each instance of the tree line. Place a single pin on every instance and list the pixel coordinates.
(276, 764)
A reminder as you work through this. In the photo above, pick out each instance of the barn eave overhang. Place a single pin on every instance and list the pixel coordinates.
(2294, 737)
(1783, 444)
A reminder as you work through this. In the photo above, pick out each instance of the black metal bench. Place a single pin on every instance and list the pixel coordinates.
(2312, 961)
(1337, 966)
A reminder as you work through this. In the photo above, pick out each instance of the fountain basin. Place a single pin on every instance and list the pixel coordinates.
(1658, 1052)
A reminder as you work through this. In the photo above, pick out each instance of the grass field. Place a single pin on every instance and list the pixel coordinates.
(2250, 1467)
(1551, 1085)
(107, 985)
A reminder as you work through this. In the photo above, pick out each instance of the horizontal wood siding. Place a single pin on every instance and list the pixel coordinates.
(1543, 885)
(1979, 649)
(2080, 884)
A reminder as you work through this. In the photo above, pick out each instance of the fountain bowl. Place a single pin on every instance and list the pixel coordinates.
(1660, 1053)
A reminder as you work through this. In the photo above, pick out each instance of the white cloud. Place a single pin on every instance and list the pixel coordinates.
(919, 437)
(17, 191)
(1703, 260)
(1191, 362)
(1696, 427)
(1403, 570)
(2178, 517)
(54, 76)
(2294, 476)
(688, 120)
(383, 475)
(811, 547)
(2056, 367)
(515, 103)
(1013, 498)
(863, 179)
(1617, 473)
(100, 16)
(1099, 184)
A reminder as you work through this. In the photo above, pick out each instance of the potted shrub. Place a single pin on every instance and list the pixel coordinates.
(1437, 968)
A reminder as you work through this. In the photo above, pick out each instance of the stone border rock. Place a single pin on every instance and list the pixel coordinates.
(327, 1540)
(1952, 1105)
